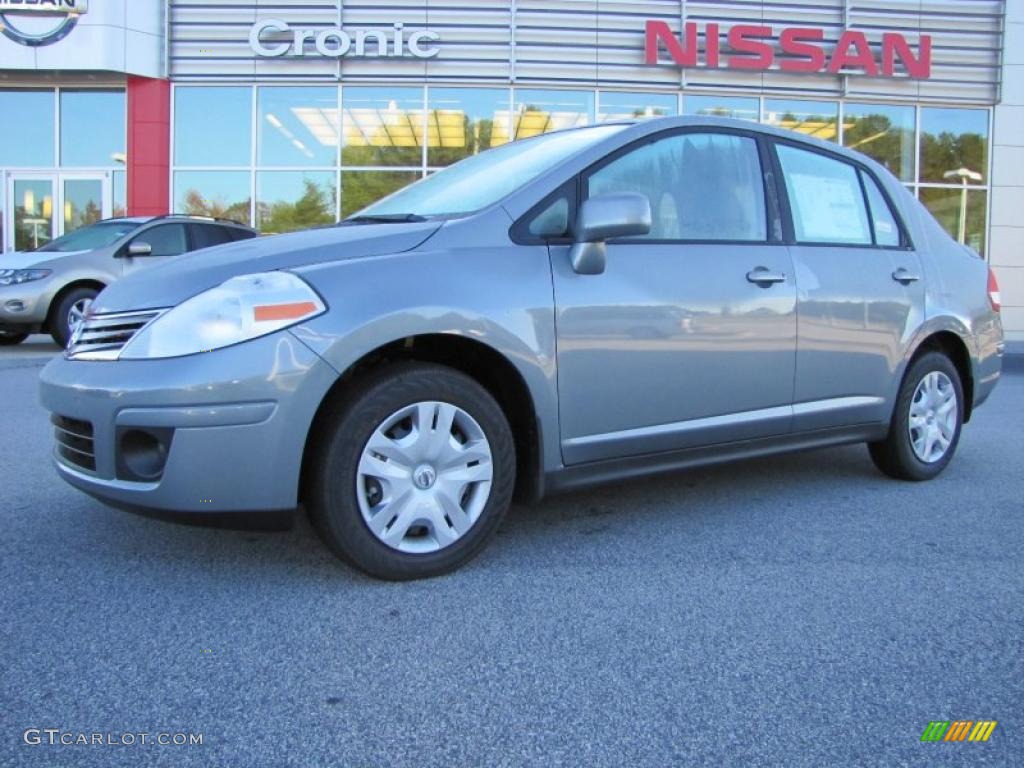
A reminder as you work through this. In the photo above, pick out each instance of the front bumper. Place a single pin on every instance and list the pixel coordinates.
(25, 305)
(236, 421)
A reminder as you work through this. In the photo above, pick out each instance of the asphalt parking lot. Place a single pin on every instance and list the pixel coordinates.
(792, 611)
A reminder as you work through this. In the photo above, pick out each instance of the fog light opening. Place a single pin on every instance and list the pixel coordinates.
(143, 454)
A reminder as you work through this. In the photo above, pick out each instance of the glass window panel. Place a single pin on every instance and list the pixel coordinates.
(165, 240)
(212, 126)
(887, 231)
(883, 132)
(721, 106)
(92, 128)
(33, 213)
(208, 235)
(727, 204)
(615, 105)
(382, 126)
(825, 198)
(538, 112)
(951, 140)
(291, 200)
(34, 148)
(819, 119)
(961, 212)
(120, 184)
(298, 126)
(464, 121)
(224, 194)
(360, 188)
(484, 179)
(83, 203)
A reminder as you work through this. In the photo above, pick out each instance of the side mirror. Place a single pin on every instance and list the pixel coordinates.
(603, 218)
(140, 248)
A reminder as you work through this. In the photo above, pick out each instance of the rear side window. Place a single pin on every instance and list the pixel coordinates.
(825, 198)
(207, 236)
(887, 229)
(237, 233)
(701, 186)
(166, 239)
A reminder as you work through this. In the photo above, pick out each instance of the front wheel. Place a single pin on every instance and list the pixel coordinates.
(926, 421)
(69, 313)
(413, 473)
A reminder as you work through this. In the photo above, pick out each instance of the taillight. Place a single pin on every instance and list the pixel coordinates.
(993, 291)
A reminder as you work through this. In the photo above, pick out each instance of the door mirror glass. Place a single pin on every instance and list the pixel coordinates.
(140, 248)
(603, 218)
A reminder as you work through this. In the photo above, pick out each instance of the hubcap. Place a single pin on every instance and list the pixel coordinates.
(933, 417)
(424, 477)
(77, 314)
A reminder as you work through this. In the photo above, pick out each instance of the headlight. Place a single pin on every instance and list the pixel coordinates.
(19, 276)
(239, 309)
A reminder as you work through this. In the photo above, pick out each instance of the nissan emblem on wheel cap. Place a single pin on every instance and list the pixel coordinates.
(65, 11)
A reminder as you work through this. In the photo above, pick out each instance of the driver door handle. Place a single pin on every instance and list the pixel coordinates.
(905, 276)
(765, 277)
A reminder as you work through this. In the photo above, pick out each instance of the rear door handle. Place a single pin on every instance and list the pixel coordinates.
(764, 277)
(904, 276)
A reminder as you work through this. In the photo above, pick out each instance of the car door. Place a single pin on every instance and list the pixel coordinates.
(165, 240)
(859, 288)
(688, 337)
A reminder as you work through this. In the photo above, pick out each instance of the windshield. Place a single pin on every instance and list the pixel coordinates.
(484, 179)
(92, 237)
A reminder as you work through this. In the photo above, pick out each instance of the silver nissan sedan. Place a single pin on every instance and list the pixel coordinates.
(579, 307)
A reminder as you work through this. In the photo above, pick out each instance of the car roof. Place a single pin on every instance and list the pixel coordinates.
(174, 216)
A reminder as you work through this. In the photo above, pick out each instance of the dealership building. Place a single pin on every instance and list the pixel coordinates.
(288, 114)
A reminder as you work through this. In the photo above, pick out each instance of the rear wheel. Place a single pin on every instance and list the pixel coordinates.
(926, 421)
(413, 473)
(11, 338)
(69, 313)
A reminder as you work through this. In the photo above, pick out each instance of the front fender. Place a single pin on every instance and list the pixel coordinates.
(500, 297)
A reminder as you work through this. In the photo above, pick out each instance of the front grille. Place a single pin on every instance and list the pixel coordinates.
(74, 441)
(101, 337)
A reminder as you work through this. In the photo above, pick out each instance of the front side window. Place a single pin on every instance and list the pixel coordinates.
(165, 240)
(701, 186)
(825, 198)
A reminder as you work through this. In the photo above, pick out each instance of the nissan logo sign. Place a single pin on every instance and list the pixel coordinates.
(64, 12)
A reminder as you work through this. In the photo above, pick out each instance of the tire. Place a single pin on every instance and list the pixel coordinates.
(11, 338)
(60, 327)
(897, 455)
(345, 497)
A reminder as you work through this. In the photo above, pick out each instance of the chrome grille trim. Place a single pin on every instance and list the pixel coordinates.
(101, 337)
(74, 442)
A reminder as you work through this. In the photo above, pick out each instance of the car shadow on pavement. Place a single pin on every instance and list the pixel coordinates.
(287, 543)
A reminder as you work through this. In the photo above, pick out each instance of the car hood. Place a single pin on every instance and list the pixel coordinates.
(27, 259)
(173, 281)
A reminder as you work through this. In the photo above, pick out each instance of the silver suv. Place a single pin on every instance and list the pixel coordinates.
(583, 306)
(49, 289)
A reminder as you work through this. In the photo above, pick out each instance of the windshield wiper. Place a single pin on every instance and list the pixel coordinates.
(384, 218)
